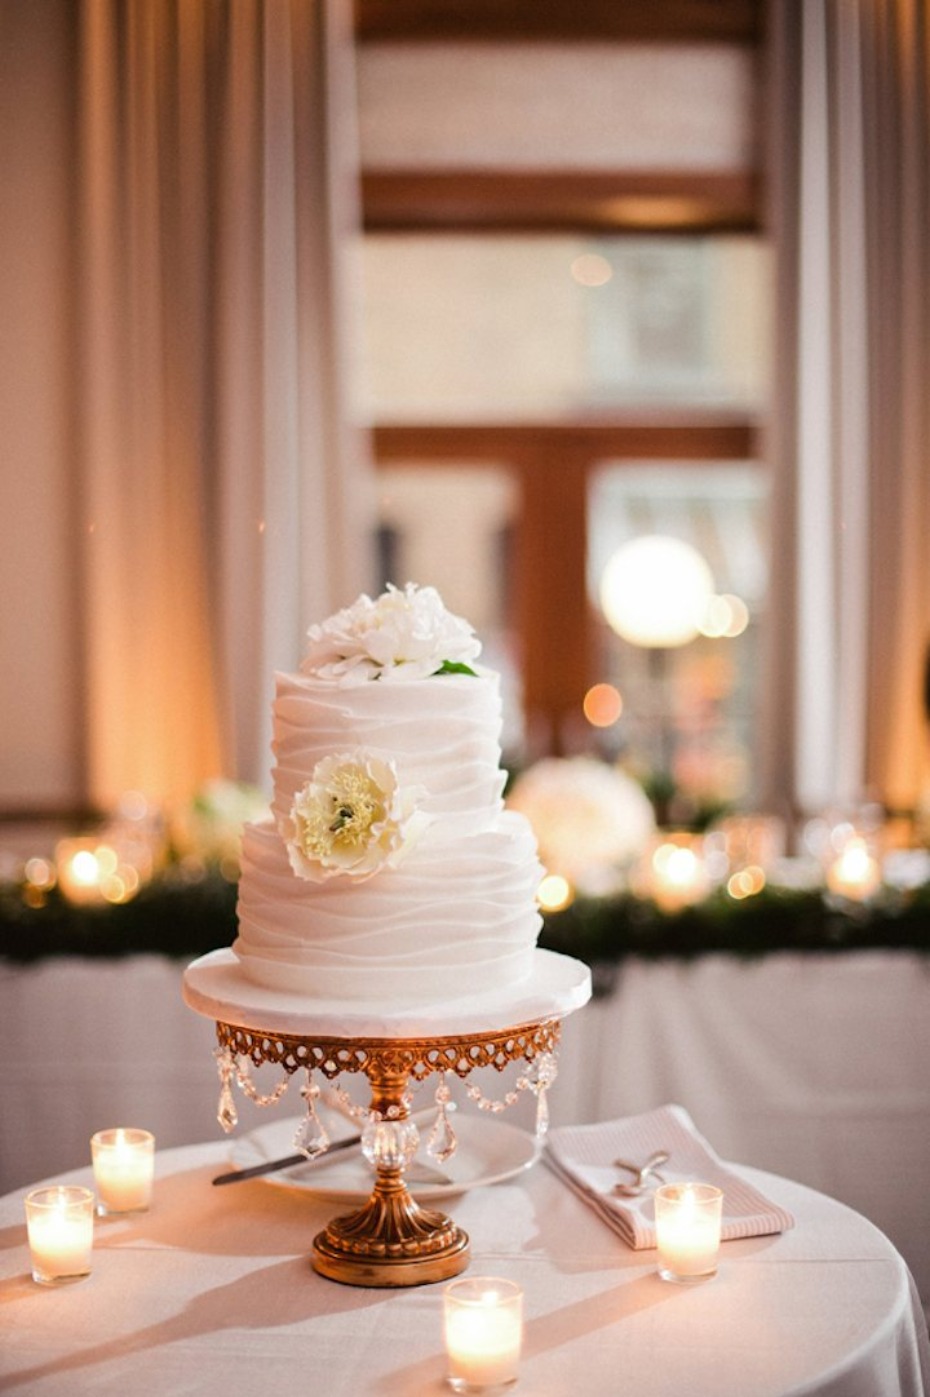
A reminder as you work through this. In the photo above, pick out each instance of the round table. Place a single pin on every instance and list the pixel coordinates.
(211, 1292)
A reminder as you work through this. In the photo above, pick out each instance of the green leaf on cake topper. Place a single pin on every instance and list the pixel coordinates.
(455, 667)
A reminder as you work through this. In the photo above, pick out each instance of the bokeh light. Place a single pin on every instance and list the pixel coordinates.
(603, 705)
(554, 893)
(591, 269)
(746, 883)
(725, 615)
(678, 866)
(655, 590)
(40, 873)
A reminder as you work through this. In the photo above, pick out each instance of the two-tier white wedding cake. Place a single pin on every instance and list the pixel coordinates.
(389, 870)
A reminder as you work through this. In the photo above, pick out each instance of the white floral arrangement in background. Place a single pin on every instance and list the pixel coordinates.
(591, 820)
(400, 636)
(352, 817)
(210, 827)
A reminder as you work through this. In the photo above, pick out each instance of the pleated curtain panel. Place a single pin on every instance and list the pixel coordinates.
(850, 422)
(223, 485)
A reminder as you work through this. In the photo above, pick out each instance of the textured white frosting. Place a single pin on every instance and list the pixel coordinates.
(459, 915)
(442, 733)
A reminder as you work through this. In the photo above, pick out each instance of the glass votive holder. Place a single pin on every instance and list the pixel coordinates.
(855, 874)
(60, 1228)
(688, 1218)
(677, 874)
(483, 1333)
(124, 1167)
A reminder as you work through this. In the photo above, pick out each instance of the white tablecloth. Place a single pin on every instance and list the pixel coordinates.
(211, 1293)
(815, 1067)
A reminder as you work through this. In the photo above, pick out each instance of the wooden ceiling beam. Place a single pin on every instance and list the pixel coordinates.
(559, 21)
(699, 437)
(560, 201)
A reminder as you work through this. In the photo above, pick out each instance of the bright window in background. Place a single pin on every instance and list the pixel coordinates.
(687, 711)
(536, 327)
(540, 330)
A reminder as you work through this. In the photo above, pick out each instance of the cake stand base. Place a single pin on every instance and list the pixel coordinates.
(391, 1241)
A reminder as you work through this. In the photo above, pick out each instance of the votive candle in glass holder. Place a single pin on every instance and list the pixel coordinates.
(60, 1228)
(483, 1333)
(83, 864)
(124, 1166)
(688, 1217)
(677, 874)
(854, 874)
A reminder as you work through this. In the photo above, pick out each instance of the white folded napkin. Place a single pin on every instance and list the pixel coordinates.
(583, 1156)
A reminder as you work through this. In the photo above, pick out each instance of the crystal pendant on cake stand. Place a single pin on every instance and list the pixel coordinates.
(391, 1240)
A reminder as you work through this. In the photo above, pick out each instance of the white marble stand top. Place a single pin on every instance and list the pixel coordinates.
(215, 986)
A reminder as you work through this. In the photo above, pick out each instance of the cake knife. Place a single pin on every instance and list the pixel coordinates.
(287, 1162)
(270, 1166)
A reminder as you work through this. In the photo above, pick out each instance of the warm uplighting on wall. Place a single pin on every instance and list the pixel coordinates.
(655, 590)
(603, 705)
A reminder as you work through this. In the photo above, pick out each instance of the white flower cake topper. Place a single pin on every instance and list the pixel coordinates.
(352, 818)
(402, 635)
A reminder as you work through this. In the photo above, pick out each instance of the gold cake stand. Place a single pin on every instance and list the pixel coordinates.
(391, 1240)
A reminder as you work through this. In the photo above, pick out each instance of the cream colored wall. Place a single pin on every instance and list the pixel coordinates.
(39, 754)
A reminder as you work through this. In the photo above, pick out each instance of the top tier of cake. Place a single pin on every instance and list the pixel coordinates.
(441, 733)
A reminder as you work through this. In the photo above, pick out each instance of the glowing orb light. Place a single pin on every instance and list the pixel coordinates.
(655, 590)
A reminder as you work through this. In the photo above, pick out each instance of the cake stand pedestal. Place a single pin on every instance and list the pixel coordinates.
(391, 1240)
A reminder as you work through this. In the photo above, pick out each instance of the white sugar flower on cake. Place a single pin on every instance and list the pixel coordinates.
(352, 818)
(400, 636)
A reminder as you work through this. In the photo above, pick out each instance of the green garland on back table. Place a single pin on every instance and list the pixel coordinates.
(183, 919)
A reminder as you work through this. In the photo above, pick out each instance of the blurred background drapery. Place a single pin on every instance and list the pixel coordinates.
(217, 486)
(850, 427)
